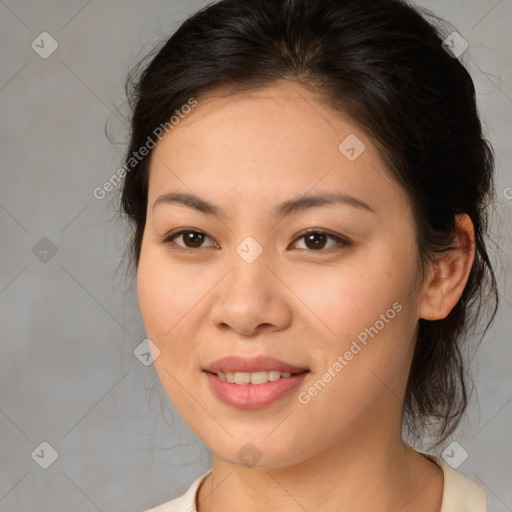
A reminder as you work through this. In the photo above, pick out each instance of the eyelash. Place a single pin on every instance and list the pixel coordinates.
(342, 242)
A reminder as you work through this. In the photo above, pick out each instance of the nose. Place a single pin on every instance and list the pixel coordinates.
(252, 297)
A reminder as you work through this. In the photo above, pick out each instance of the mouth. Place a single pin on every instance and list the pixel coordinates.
(255, 390)
(252, 382)
(238, 364)
(255, 378)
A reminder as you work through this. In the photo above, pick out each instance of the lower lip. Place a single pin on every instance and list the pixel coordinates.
(253, 396)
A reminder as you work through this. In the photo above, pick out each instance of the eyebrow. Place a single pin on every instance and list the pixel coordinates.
(282, 210)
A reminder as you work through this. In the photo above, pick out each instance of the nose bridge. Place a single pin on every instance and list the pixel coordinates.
(249, 266)
(250, 250)
(250, 296)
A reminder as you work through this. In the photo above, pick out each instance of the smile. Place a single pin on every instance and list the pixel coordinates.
(252, 377)
(244, 394)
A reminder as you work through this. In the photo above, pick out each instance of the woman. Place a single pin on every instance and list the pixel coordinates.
(309, 186)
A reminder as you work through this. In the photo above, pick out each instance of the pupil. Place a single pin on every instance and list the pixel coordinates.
(190, 236)
(316, 235)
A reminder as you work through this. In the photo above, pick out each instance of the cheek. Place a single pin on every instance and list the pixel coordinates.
(166, 295)
(366, 311)
(347, 299)
(171, 304)
(166, 311)
(153, 295)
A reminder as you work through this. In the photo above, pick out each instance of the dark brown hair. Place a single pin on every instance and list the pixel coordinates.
(383, 63)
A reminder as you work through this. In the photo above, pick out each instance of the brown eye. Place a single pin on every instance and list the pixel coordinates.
(316, 240)
(191, 239)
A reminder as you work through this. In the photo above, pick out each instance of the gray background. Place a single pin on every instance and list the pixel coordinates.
(69, 325)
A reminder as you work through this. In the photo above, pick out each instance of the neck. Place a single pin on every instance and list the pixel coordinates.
(381, 475)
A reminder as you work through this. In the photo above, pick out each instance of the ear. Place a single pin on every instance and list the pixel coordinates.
(449, 274)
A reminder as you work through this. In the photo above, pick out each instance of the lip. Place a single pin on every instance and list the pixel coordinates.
(251, 364)
(253, 396)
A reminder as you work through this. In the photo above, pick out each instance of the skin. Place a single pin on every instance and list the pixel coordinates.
(343, 450)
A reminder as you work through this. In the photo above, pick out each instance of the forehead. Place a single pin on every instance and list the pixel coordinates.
(279, 141)
(284, 111)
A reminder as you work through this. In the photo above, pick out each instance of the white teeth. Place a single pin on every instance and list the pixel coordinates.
(276, 375)
(252, 378)
(242, 378)
(255, 378)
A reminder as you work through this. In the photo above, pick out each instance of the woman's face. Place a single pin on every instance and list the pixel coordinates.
(255, 284)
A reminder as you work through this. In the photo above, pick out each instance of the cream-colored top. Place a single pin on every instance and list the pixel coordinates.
(460, 494)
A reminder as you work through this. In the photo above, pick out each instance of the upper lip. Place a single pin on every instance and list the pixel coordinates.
(251, 364)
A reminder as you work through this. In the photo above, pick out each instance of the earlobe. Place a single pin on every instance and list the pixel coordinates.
(449, 274)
